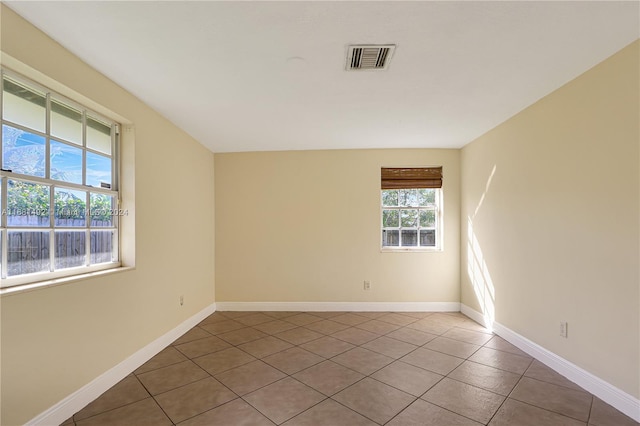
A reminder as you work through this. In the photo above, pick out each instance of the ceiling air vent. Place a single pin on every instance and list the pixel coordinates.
(369, 57)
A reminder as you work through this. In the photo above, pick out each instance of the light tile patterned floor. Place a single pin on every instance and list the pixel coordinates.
(344, 368)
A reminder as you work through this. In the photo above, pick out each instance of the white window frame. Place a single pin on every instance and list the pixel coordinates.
(17, 281)
(438, 228)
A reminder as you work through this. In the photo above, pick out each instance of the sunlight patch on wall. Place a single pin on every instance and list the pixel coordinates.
(480, 277)
(477, 268)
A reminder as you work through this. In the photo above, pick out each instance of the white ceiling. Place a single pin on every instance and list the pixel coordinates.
(261, 76)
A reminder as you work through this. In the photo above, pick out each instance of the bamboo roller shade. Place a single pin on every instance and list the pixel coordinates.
(411, 177)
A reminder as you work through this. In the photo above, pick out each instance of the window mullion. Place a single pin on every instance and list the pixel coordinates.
(52, 206)
(115, 135)
(115, 244)
(47, 145)
(399, 223)
(61, 183)
(25, 128)
(5, 203)
(418, 226)
(47, 175)
(52, 202)
(3, 225)
(420, 209)
(439, 219)
(87, 237)
(52, 250)
(115, 185)
(84, 147)
(52, 237)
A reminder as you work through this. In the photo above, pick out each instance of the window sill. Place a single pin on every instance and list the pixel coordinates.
(22, 288)
(410, 250)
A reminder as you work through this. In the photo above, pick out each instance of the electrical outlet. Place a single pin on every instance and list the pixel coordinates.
(181, 300)
(563, 329)
(367, 285)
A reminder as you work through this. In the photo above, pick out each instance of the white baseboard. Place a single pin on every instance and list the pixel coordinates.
(340, 306)
(476, 316)
(86, 394)
(610, 394)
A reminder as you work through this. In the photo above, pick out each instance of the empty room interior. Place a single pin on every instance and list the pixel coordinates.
(320, 213)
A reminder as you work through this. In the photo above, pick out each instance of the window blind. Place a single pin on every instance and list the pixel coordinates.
(411, 177)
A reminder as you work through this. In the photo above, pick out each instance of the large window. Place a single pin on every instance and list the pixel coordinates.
(411, 208)
(59, 185)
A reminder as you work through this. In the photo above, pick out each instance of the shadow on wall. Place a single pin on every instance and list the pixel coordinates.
(477, 268)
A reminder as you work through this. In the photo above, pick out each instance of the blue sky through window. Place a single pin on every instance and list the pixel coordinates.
(66, 162)
(24, 152)
(98, 169)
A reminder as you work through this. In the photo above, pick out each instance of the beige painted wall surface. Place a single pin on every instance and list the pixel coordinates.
(550, 211)
(56, 340)
(304, 226)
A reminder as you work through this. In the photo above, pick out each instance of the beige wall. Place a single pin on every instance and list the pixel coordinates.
(305, 226)
(57, 339)
(551, 199)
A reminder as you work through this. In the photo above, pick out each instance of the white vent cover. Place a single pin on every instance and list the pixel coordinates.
(369, 57)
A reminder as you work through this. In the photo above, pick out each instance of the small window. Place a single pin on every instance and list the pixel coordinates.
(58, 186)
(411, 208)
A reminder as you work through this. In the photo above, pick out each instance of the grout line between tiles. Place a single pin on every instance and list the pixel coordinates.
(361, 414)
(510, 392)
(590, 408)
(113, 409)
(547, 409)
(356, 327)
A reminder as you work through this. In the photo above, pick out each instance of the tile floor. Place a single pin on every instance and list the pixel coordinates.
(344, 368)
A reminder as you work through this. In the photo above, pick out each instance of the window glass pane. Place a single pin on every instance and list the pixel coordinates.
(98, 135)
(23, 106)
(409, 218)
(22, 152)
(427, 218)
(426, 197)
(70, 249)
(408, 197)
(27, 252)
(98, 170)
(101, 246)
(390, 238)
(66, 122)
(390, 218)
(389, 197)
(53, 148)
(66, 162)
(409, 238)
(70, 207)
(27, 204)
(428, 237)
(102, 207)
